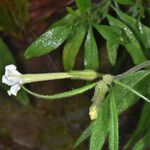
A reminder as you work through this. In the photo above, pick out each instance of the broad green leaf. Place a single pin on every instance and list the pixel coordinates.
(110, 33)
(101, 127)
(6, 58)
(72, 47)
(143, 143)
(125, 2)
(141, 32)
(113, 125)
(91, 60)
(83, 5)
(133, 46)
(112, 49)
(85, 134)
(47, 42)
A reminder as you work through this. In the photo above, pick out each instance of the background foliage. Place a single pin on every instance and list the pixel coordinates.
(121, 27)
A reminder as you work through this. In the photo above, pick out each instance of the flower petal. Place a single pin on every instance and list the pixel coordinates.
(6, 80)
(14, 90)
(11, 72)
(10, 67)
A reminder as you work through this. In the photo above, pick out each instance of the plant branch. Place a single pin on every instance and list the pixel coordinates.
(62, 95)
(132, 70)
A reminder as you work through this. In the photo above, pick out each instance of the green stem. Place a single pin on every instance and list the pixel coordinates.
(134, 69)
(62, 95)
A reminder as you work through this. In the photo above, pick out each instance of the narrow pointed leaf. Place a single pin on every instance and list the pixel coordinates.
(101, 127)
(132, 90)
(141, 31)
(110, 33)
(112, 49)
(91, 60)
(125, 98)
(133, 46)
(47, 42)
(113, 125)
(72, 47)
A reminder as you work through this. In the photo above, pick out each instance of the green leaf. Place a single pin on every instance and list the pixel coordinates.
(110, 33)
(113, 125)
(141, 31)
(124, 100)
(91, 60)
(85, 134)
(101, 127)
(112, 49)
(133, 46)
(72, 47)
(142, 127)
(6, 58)
(132, 90)
(83, 5)
(125, 2)
(49, 41)
(143, 143)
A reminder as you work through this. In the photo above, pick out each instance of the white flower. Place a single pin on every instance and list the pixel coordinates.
(12, 79)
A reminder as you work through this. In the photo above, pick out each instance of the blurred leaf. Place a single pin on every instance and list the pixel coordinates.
(101, 127)
(91, 60)
(112, 49)
(71, 11)
(125, 2)
(14, 17)
(133, 46)
(67, 20)
(85, 134)
(47, 42)
(6, 21)
(83, 5)
(143, 143)
(72, 47)
(143, 126)
(113, 127)
(6, 58)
